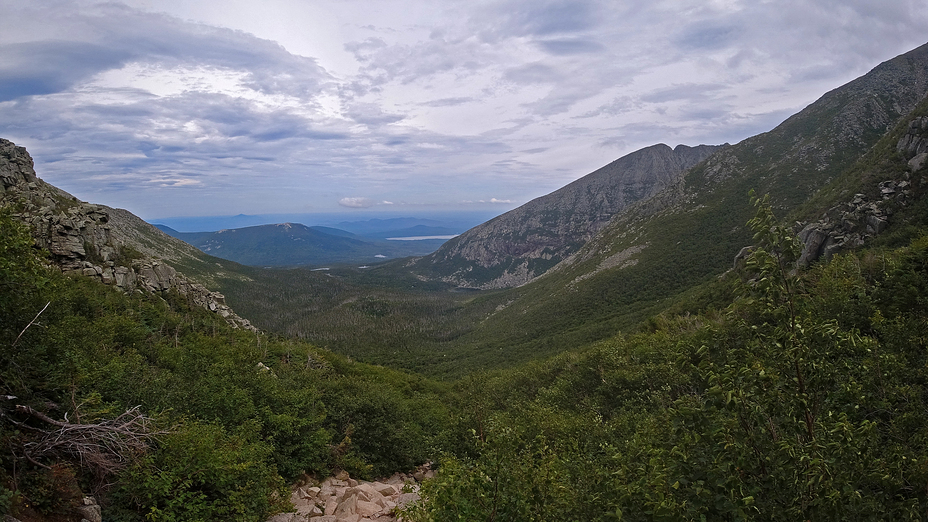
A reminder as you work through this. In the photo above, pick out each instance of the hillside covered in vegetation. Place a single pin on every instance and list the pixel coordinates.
(751, 342)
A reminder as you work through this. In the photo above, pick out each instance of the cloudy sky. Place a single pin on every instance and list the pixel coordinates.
(208, 107)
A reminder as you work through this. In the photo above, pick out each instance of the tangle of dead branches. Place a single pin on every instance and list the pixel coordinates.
(106, 446)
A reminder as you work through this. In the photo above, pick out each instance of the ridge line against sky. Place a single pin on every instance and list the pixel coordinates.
(195, 108)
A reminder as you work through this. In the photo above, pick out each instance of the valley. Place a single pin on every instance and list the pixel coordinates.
(713, 332)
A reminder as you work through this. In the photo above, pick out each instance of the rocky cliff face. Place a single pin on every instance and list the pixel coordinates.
(520, 245)
(914, 144)
(110, 245)
(851, 224)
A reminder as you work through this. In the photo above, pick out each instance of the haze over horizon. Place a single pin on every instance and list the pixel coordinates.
(203, 108)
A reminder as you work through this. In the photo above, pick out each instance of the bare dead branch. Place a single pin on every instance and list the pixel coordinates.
(32, 322)
(105, 446)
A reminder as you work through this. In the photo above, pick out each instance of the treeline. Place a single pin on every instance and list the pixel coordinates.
(803, 400)
(166, 413)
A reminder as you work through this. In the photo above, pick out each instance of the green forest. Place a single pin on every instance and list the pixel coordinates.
(771, 394)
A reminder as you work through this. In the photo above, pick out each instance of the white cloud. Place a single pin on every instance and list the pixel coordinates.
(356, 202)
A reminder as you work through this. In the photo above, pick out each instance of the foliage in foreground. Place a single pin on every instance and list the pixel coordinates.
(234, 414)
(803, 400)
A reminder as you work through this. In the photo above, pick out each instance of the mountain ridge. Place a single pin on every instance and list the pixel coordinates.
(295, 244)
(111, 245)
(516, 247)
(690, 233)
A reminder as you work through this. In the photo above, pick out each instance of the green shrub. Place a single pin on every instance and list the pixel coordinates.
(201, 473)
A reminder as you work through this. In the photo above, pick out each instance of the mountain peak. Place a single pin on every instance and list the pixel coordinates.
(522, 244)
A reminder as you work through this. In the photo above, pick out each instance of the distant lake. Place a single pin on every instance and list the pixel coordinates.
(419, 238)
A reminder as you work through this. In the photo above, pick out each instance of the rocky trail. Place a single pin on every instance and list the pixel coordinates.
(344, 499)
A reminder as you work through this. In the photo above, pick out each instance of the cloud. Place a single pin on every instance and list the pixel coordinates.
(449, 102)
(707, 36)
(37, 68)
(567, 47)
(372, 114)
(537, 18)
(684, 92)
(356, 202)
(210, 111)
(533, 73)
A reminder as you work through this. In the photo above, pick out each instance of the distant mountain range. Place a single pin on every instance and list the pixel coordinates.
(294, 244)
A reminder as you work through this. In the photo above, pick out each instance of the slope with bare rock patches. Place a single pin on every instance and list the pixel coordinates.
(522, 244)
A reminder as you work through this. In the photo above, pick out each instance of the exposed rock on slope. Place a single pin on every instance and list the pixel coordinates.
(111, 245)
(851, 224)
(520, 245)
(914, 145)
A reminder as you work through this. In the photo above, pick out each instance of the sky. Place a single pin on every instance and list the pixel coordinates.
(207, 107)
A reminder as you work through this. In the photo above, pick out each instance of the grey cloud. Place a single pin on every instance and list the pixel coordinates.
(708, 113)
(612, 143)
(536, 18)
(365, 49)
(689, 92)
(567, 47)
(371, 114)
(408, 63)
(707, 36)
(617, 106)
(557, 52)
(532, 73)
(36, 68)
(111, 35)
(448, 102)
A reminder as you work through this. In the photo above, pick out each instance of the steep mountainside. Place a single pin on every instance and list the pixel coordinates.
(648, 256)
(111, 245)
(522, 244)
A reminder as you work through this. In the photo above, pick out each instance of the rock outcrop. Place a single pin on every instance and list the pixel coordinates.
(110, 245)
(851, 224)
(343, 499)
(914, 145)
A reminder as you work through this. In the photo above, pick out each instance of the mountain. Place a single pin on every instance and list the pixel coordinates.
(522, 244)
(845, 171)
(294, 244)
(279, 245)
(111, 245)
(837, 160)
